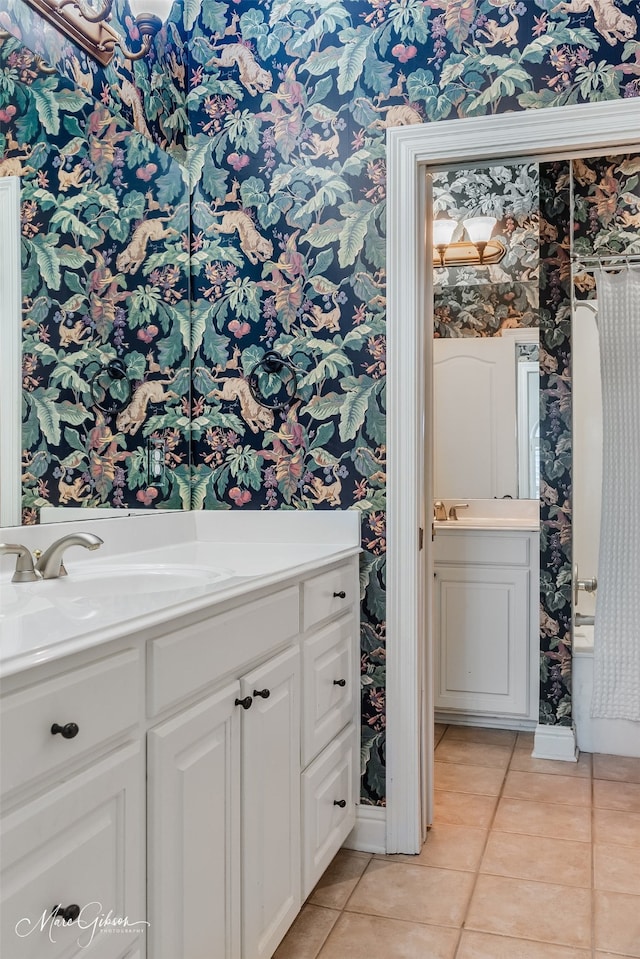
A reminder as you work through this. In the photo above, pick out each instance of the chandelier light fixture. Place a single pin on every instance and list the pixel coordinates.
(478, 250)
(86, 24)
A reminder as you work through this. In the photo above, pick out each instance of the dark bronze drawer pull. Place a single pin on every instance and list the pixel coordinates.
(339, 682)
(340, 802)
(263, 693)
(245, 703)
(69, 914)
(340, 595)
(68, 731)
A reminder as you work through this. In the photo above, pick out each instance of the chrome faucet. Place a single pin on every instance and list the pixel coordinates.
(25, 572)
(440, 510)
(50, 563)
(453, 510)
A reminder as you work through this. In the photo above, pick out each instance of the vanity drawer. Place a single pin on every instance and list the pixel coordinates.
(329, 687)
(82, 843)
(184, 662)
(328, 594)
(102, 699)
(331, 780)
(482, 549)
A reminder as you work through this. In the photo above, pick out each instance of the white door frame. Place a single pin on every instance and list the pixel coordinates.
(10, 352)
(606, 127)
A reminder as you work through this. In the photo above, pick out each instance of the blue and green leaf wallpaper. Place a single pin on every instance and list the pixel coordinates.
(277, 111)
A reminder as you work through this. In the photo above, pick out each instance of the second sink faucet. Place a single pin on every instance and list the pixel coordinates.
(50, 564)
(440, 510)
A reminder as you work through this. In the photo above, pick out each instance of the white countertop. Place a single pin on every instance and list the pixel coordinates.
(486, 524)
(156, 569)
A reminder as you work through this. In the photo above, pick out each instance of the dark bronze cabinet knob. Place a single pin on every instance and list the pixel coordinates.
(340, 595)
(245, 703)
(263, 693)
(68, 913)
(339, 682)
(68, 731)
(340, 802)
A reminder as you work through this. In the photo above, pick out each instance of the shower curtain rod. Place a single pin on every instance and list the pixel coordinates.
(587, 264)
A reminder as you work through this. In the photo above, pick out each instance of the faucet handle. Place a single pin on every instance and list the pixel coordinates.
(453, 510)
(24, 572)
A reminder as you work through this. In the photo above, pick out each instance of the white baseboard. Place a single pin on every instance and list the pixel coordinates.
(370, 831)
(484, 722)
(555, 742)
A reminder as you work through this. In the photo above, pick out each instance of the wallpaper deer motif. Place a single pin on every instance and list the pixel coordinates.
(105, 265)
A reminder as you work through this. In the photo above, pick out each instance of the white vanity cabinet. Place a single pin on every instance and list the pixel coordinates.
(72, 829)
(330, 717)
(486, 624)
(247, 719)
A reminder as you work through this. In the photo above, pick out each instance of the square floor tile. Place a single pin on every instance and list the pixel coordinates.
(611, 826)
(475, 754)
(340, 879)
(539, 859)
(543, 819)
(308, 933)
(617, 923)
(480, 945)
(538, 787)
(617, 868)
(449, 847)
(478, 734)
(619, 768)
(363, 937)
(462, 809)
(525, 741)
(524, 762)
(457, 777)
(616, 795)
(414, 893)
(539, 911)
(439, 729)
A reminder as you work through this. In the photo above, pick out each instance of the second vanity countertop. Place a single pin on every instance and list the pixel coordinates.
(181, 564)
(491, 515)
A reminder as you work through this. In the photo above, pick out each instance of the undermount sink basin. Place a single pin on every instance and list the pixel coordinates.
(138, 579)
(92, 598)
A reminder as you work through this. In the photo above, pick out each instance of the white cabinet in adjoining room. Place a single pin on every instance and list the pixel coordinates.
(486, 625)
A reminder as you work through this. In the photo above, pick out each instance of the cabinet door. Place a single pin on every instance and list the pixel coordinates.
(270, 804)
(193, 831)
(80, 844)
(474, 440)
(482, 639)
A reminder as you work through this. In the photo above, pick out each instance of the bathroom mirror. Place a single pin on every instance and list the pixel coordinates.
(486, 382)
(105, 306)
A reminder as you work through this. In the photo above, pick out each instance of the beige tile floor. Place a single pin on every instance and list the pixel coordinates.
(526, 859)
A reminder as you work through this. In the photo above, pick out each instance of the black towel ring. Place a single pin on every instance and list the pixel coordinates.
(100, 386)
(272, 362)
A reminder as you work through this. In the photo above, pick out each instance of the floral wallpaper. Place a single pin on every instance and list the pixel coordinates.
(288, 104)
(484, 301)
(555, 443)
(606, 208)
(150, 93)
(106, 330)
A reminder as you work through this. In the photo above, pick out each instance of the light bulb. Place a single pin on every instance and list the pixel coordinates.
(480, 228)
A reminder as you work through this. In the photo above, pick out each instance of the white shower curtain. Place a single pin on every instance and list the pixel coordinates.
(616, 676)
